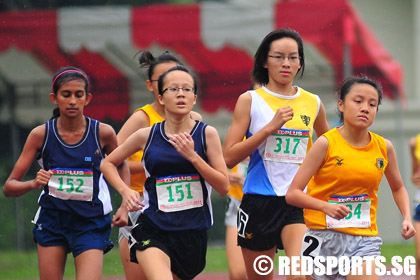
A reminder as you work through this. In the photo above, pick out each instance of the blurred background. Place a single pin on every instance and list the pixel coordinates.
(217, 39)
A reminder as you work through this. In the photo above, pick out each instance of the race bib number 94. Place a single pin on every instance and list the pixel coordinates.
(287, 145)
(359, 215)
(178, 193)
(71, 184)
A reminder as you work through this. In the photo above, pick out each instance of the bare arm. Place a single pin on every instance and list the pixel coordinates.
(399, 192)
(110, 143)
(321, 125)
(14, 186)
(196, 116)
(136, 121)
(415, 177)
(295, 195)
(236, 150)
(109, 167)
(214, 172)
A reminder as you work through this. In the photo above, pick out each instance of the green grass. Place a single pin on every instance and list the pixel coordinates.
(24, 265)
(14, 265)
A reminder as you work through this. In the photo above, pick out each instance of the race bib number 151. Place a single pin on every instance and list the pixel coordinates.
(177, 193)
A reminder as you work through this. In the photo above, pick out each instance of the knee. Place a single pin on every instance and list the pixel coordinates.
(295, 277)
(237, 275)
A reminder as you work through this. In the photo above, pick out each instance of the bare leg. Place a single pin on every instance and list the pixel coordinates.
(132, 270)
(155, 264)
(234, 256)
(292, 236)
(364, 275)
(417, 240)
(51, 262)
(89, 264)
(249, 258)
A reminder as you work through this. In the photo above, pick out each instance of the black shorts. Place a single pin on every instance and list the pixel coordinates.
(261, 219)
(186, 249)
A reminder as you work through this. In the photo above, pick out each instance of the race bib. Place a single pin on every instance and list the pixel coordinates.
(287, 145)
(359, 215)
(71, 184)
(311, 245)
(178, 193)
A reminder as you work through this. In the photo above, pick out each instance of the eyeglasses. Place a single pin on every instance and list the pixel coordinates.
(154, 80)
(281, 58)
(176, 89)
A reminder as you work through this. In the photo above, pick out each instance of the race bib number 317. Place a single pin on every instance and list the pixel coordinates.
(287, 145)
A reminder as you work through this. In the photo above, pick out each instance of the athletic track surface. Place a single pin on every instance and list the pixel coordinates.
(224, 276)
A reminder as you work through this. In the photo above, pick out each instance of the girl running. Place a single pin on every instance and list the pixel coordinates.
(278, 121)
(347, 164)
(182, 160)
(75, 201)
(145, 116)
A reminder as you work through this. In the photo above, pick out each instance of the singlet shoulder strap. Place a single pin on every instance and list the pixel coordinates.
(95, 127)
(153, 130)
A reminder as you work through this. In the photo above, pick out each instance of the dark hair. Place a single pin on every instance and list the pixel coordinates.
(64, 75)
(259, 72)
(177, 68)
(349, 83)
(147, 59)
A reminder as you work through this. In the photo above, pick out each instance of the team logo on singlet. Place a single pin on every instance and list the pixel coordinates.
(380, 163)
(305, 119)
(339, 161)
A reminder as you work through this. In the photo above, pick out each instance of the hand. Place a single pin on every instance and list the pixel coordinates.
(184, 144)
(416, 179)
(281, 116)
(42, 178)
(408, 230)
(336, 211)
(120, 219)
(131, 200)
(236, 178)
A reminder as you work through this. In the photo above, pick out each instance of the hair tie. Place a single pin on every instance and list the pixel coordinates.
(67, 71)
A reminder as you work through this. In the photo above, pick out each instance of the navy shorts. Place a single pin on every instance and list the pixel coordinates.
(417, 214)
(262, 218)
(186, 248)
(78, 234)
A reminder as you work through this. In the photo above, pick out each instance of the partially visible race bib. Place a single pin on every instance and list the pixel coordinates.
(71, 184)
(287, 145)
(359, 215)
(178, 193)
(243, 168)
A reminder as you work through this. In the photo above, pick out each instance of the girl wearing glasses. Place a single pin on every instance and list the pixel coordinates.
(183, 160)
(75, 202)
(145, 116)
(342, 173)
(277, 120)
